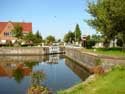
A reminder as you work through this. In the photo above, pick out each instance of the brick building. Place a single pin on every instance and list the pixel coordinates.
(7, 27)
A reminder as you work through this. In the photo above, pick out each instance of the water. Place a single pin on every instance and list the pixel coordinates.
(58, 72)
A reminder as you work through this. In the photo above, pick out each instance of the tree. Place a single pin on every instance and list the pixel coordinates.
(37, 37)
(77, 33)
(17, 31)
(119, 40)
(50, 39)
(108, 18)
(66, 39)
(96, 38)
(29, 38)
(90, 41)
(69, 37)
(59, 40)
(33, 38)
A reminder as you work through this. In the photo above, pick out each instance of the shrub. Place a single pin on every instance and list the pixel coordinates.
(90, 43)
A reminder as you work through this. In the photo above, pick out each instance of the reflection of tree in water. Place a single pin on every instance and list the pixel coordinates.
(31, 64)
(20, 71)
(18, 75)
(79, 70)
(37, 78)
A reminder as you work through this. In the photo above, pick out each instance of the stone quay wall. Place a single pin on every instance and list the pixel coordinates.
(89, 60)
(27, 51)
(86, 60)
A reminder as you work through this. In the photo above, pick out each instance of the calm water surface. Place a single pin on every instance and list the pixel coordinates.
(59, 73)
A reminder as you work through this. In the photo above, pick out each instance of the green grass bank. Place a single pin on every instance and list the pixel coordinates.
(112, 82)
(108, 51)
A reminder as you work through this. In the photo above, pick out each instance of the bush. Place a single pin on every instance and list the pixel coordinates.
(119, 42)
(90, 43)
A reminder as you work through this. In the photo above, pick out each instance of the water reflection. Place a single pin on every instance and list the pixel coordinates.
(11, 69)
(53, 71)
(53, 59)
(18, 75)
(30, 64)
(77, 69)
(37, 78)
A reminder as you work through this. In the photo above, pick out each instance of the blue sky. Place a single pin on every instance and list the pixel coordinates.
(50, 17)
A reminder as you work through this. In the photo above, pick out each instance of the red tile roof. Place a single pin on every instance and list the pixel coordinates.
(2, 25)
(27, 27)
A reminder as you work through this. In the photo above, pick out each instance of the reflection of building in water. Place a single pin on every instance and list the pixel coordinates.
(10, 63)
(77, 69)
(53, 59)
(7, 69)
(54, 49)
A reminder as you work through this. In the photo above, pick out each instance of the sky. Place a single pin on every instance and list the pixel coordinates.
(50, 17)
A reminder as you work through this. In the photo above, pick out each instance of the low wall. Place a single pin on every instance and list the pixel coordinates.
(26, 50)
(83, 59)
(21, 51)
(89, 60)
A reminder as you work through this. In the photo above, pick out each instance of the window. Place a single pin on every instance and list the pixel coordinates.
(7, 33)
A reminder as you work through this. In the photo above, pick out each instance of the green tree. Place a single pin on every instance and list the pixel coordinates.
(90, 41)
(34, 38)
(17, 31)
(108, 18)
(50, 39)
(77, 33)
(97, 38)
(66, 39)
(119, 42)
(37, 37)
(29, 38)
(69, 37)
(59, 40)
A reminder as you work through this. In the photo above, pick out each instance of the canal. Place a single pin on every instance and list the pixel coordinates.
(55, 72)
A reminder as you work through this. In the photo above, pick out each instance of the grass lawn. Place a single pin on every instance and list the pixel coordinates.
(109, 83)
(109, 51)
